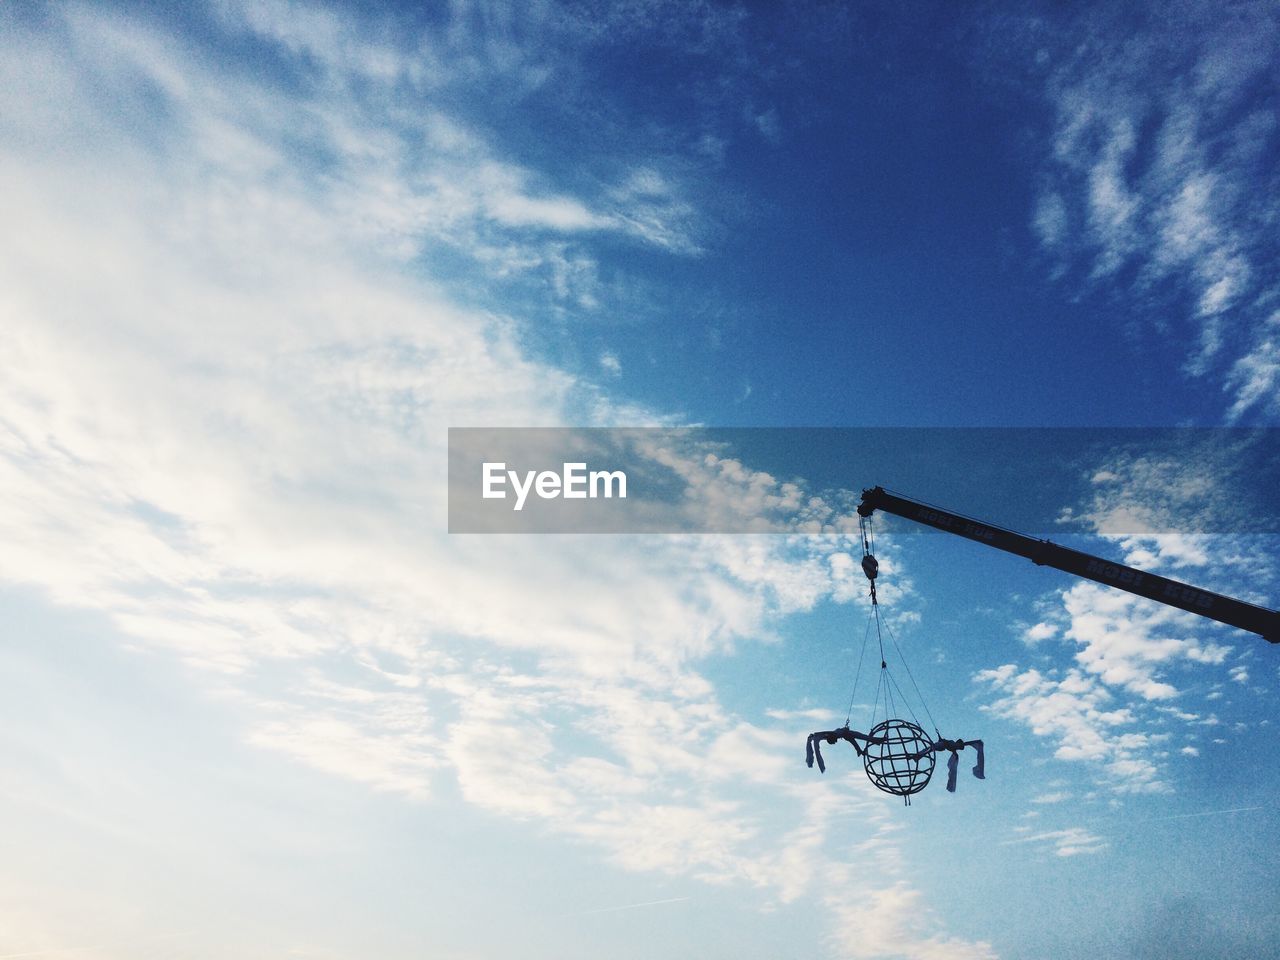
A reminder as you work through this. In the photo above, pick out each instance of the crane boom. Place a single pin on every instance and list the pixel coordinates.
(1215, 606)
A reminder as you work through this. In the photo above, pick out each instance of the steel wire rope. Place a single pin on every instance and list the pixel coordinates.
(866, 634)
(923, 703)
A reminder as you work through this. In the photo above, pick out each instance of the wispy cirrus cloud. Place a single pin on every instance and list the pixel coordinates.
(1161, 139)
(1069, 842)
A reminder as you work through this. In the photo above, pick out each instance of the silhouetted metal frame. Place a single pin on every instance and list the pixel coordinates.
(1045, 553)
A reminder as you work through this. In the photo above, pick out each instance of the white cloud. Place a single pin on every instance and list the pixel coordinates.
(1041, 631)
(1073, 712)
(1255, 377)
(813, 715)
(1071, 842)
(1130, 652)
(371, 749)
(509, 205)
(610, 363)
(1057, 797)
(888, 922)
(1124, 639)
(1127, 650)
(226, 369)
(1156, 168)
(1173, 494)
(1050, 219)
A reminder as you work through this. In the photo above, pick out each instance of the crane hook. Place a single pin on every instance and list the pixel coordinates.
(870, 566)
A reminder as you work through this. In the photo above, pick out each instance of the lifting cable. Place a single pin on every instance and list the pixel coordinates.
(885, 681)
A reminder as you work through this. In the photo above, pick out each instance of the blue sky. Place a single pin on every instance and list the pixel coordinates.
(260, 256)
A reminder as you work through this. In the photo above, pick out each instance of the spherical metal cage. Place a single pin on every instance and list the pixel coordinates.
(903, 763)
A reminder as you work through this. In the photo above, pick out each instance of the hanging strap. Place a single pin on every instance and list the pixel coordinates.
(813, 747)
(955, 746)
(979, 768)
(812, 751)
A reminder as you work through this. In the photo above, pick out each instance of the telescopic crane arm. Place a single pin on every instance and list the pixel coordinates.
(1215, 606)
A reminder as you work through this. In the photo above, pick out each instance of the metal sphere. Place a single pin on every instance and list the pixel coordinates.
(903, 763)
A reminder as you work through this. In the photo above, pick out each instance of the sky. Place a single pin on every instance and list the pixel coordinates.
(258, 258)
